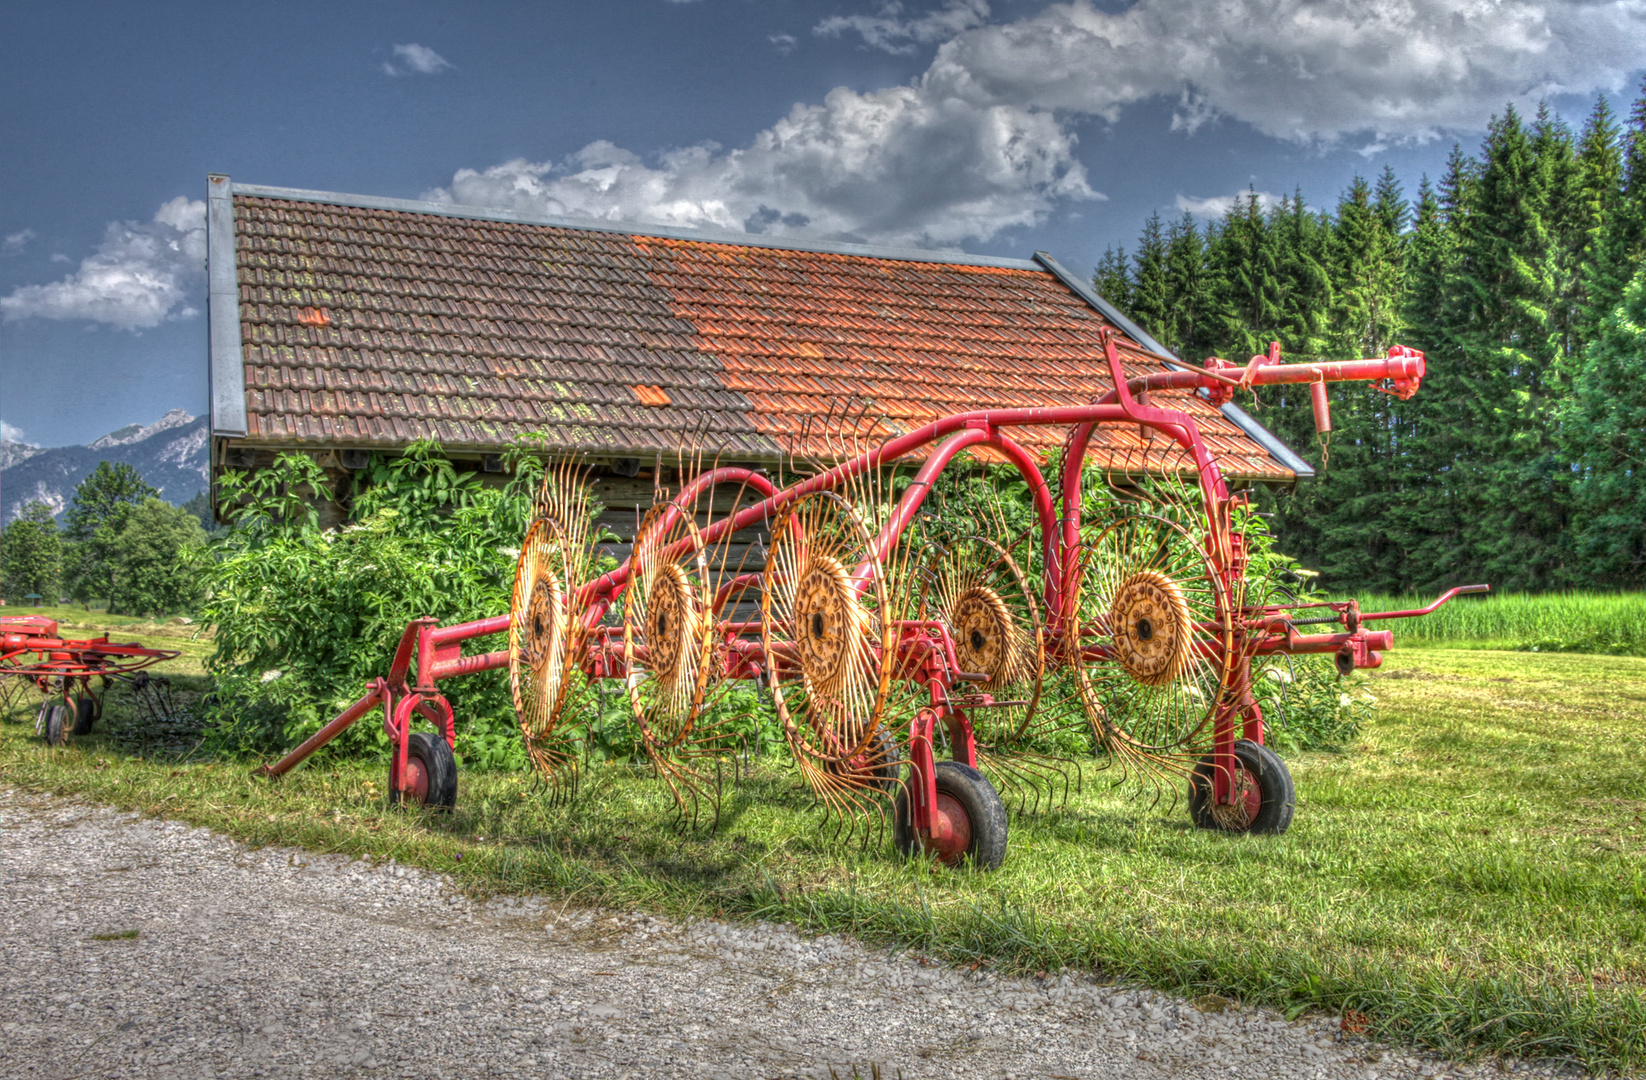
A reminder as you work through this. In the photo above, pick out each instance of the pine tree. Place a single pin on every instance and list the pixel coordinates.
(1503, 301)
(1623, 246)
(1151, 291)
(1366, 266)
(1302, 238)
(92, 524)
(1187, 283)
(1597, 188)
(1113, 280)
(1607, 414)
(1246, 314)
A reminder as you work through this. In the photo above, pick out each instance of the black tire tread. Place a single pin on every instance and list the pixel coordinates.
(983, 805)
(1273, 778)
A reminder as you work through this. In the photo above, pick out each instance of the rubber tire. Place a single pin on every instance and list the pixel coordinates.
(85, 714)
(1274, 780)
(982, 804)
(56, 727)
(438, 764)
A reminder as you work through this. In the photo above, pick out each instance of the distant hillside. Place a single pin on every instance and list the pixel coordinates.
(171, 454)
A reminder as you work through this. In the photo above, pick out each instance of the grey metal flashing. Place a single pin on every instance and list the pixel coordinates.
(667, 232)
(226, 373)
(1237, 416)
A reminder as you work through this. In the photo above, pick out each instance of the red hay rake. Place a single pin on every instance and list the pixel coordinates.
(33, 656)
(1129, 638)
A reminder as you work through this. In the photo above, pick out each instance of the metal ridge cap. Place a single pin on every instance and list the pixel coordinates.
(1233, 413)
(662, 232)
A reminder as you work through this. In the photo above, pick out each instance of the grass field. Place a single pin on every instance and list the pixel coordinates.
(1603, 623)
(1471, 874)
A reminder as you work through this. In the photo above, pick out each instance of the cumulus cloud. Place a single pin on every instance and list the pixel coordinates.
(783, 43)
(9, 433)
(141, 274)
(984, 140)
(897, 166)
(415, 60)
(16, 242)
(1214, 207)
(890, 31)
(1303, 70)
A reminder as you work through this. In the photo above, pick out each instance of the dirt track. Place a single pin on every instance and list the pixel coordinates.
(276, 962)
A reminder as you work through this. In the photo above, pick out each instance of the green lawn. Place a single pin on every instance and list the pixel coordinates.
(1469, 874)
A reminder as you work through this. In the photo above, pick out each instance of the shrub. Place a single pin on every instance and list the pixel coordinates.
(306, 617)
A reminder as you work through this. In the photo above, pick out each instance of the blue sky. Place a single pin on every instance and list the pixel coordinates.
(996, 127)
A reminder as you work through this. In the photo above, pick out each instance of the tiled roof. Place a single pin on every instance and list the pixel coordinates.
(367, 327)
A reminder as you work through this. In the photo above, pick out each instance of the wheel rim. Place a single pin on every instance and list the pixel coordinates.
(417, 780)
(1245, 801)
(950, 845)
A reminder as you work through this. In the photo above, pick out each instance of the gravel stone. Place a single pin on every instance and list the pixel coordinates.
(277, 962)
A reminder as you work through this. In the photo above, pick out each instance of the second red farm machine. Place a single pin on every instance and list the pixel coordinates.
(912, 672)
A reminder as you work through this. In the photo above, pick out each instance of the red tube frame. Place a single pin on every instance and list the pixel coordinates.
(438, 650)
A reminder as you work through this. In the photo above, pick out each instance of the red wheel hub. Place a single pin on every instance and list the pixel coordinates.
(951, 835)
(417, 781)
(1245, 802)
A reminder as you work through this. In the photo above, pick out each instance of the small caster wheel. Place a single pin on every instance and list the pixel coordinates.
(431, 772)
(973, 812)
(876, 767)
(1263, 793)
(55, 723)
(87, 711)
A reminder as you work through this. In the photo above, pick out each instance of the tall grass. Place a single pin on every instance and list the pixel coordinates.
(1588, 622)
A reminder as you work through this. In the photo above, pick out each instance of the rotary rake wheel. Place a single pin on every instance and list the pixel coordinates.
(671, 651)
(977, 588)
(546, 631)
(1156, 659)
(829, 633)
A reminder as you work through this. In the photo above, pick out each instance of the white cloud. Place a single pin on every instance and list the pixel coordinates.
(16, 242)
(892, 32)
(9, 433)
(897, 166)
(984, 140)
(141, 274)
(1214, 207)
(1304, 69)
(783, 43)
(416, 60)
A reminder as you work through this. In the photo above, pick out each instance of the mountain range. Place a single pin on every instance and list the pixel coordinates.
(171, 453)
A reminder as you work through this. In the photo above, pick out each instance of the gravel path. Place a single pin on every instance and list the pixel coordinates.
(144, 948)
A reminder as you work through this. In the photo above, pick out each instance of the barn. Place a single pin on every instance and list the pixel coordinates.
(342, 325)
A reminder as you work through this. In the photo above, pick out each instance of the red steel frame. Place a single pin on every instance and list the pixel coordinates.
(925, 652)
(30, 649)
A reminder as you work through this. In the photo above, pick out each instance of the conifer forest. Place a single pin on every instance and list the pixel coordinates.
(1519, 272)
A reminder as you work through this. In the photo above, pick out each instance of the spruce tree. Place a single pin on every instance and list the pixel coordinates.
(1596, 189)
(1187, 283)
(1113, 280)
(1503, 300)
(1606, 413)
(1245, 282)
(1623, 245)
(1151, 291)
